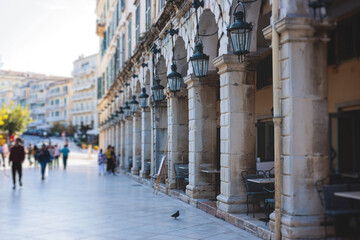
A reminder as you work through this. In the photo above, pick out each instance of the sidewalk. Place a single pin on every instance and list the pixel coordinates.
(79, 204)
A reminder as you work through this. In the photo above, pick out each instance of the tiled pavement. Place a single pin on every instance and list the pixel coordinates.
(79, 204)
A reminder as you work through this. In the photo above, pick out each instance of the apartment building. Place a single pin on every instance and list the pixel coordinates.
(84, 99)
(58, 102)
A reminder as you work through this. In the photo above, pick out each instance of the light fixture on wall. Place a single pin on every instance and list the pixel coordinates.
(158, 90)
(240, 33)
(199, 60)
(126, 109)
(319, 8)
(134, 76)
(174, 78)
(120, 114)
(134, 105)
(143, 99)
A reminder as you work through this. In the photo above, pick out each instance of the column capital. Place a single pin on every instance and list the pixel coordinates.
(229, 63)
(299, 29)
(192, 81)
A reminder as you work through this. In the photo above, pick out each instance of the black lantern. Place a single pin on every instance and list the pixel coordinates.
(135, 76)
(134, 105)
(319, 8)
(120, 114)
(158, 90)
(240, 33)
(143, 99)
(127, 109)
(174, 79)
(199, 61)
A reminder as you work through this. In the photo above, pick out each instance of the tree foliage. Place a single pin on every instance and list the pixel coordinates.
(58, 127)
(14, 119)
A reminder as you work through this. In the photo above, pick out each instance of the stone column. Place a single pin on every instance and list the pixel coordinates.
(122, 145)
(202, 135)
(145, 140)
(237, 133)
(304, 130)
(136, 143)
(178, 129)
(128, 142)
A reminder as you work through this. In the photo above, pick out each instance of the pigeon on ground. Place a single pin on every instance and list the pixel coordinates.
(175, 215)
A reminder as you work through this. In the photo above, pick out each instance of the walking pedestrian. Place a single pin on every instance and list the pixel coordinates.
(65, 153)
(108, 159)
(34, 152)
(44, 157)
(101, 162)
(113, 160)
(2, 156)
(56, 156)
(17, 156)
(29, 153)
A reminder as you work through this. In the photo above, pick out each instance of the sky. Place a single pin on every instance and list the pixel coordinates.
(46, 36)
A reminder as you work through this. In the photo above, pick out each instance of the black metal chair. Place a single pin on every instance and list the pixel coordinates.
(269, 174)
(269, 202)
(254, 190)
(181, 173)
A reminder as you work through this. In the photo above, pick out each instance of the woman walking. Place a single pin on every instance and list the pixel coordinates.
(101, 162)
(44, 158)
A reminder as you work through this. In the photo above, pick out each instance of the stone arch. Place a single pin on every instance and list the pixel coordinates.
(209, 27)
(137, 88)
(180, 55)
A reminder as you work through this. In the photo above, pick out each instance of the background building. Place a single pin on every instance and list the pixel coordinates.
(84, 99)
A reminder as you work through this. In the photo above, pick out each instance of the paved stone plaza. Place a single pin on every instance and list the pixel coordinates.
(79, 204)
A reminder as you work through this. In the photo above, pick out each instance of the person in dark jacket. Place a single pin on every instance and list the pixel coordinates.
(17, 156)
(44, 158)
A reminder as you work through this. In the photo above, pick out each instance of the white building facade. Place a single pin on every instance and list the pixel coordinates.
(84, 99)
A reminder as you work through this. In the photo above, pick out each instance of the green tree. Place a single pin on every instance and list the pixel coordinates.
(58, 127)
(17, 119)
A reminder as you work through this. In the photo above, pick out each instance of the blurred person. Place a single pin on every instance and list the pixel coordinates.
(65, 154)
(29, 153)
(35, 152)
(17, 157)
(56, 155)
(44, 157)
(51, 150)
(113, 160)
(2, 156)
(108, 159)
(101, 162)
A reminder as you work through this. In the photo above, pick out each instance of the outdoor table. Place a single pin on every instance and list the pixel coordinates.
(262, 180)
(216, 172)
(352, 195)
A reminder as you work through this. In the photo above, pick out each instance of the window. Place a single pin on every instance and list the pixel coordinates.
(148, 15)
(57, 102)
(137, 22)
(65, 113)
(99, 90)
(161, 4)
(129, 37)
(265, 141)
(122, 50)
(264, 72)
(345, 140)
(52, 102)
(122, 5)
(64, 101)
(344, 40)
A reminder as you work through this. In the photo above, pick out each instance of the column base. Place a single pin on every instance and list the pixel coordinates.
(134, 171)
(231, 204)
(198, 192)
(143, 174)
(302, 227)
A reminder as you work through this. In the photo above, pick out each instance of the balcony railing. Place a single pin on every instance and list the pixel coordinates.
(56, 119)
(84, 110)
(83, 96)
(82, 87)
(53, 107)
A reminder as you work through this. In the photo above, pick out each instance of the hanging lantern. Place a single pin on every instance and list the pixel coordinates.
(319, 8)
(143, 99)
(174, 79)
(120, 114)
(127, 109)
(158, 90)
(240, 33)
(199, 61)
(134, 105)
